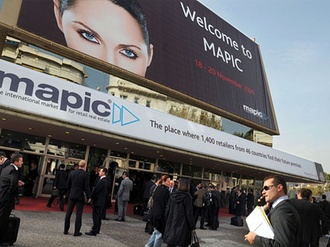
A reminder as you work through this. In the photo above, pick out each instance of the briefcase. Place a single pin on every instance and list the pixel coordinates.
(10, 235)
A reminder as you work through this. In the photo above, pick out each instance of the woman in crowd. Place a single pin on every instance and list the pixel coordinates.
(157, 211)
(179, 217)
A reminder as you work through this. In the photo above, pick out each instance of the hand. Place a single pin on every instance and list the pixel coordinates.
(20, 183)
(89, 200)
(266, 207)
(250, 237)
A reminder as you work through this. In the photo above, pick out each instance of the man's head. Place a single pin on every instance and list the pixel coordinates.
(125, 174)
(82, 164)
(2, 157)
(103, 171)
(172, 184)
(274, 187)
(305, 194)
(17, 160)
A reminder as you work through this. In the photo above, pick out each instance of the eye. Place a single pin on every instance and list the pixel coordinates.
(129, 53)
(88, 36)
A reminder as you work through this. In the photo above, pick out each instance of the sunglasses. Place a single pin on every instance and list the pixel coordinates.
(268, 187)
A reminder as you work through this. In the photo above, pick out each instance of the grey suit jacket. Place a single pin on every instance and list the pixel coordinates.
(125, 188)
(286, 223)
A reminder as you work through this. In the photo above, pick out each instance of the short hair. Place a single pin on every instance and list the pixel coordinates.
(305, 193)
(164, 178)
(62, 166)
(324, 197)
(184, 185)
(82, 163)
(15, 157)
(278, 180)
(104, 169)
(2, 153)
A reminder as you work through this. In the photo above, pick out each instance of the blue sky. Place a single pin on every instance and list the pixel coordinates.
(294, 38)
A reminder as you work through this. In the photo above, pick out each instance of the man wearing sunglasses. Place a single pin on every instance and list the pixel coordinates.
(282, 215)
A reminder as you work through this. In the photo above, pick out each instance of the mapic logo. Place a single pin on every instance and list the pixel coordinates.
(122, 115)
(254, 112)
(65, 98)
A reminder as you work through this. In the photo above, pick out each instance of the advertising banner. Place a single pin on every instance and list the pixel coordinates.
(177, 43)
(34, 92)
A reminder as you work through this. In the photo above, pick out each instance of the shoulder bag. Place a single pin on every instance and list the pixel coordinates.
(151, 199)
(194, 240)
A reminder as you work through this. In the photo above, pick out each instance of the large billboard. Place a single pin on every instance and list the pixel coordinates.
(32, 92)
(179, 44)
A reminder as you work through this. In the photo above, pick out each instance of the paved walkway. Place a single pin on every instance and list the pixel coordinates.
(45, 228)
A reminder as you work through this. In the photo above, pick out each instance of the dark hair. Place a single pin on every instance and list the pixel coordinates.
(278, 180)
(324, 197)
(183, 185)
(305, 193)
(2, 153)
(105, 170)
(62, 166)
(131, 6)
(15, 157)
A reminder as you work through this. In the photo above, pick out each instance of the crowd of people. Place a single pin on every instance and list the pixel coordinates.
(174, 207)
(296, 222)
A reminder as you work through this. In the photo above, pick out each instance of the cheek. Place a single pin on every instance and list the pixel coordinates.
(137, 66)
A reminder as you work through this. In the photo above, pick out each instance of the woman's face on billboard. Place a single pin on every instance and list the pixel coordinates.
(106, 31)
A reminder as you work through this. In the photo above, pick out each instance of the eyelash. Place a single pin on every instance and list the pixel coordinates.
(88, 36)
(126, 51)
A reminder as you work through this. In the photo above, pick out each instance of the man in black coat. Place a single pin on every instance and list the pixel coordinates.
(282, 215)
(98, 198)
(60, 184)
(9, 183)
(78, 184)
(107, 203)
(146, 193)
(4, 161)
(310, 217)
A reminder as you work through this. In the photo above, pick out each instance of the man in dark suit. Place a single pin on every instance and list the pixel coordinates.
(60, 184)
(9, 183)
(4, 161)
(107, 203)
(78, 184)
(310, 218)
(282, 215)
(98, 198)
(146, 193)
(126, 186)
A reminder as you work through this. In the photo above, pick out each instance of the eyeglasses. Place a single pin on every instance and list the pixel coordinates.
(268, 187)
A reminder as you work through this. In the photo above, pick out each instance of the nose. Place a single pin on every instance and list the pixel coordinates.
(109, 57)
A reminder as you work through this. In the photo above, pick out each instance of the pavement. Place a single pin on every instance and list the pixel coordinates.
(45, 228)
